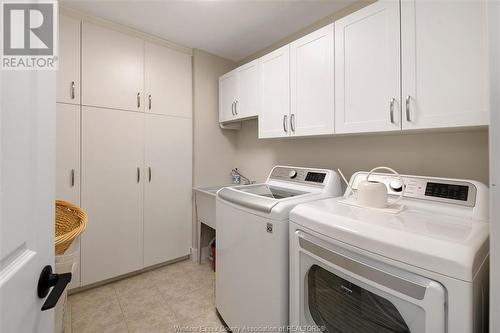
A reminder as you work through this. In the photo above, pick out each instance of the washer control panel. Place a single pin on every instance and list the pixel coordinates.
(299, 175)
(432, 189)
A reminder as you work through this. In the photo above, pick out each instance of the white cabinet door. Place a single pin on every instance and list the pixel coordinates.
(367, 70)
(248, 93)
(167, 190)
(68, 75)
(68, 153)
(275, 94)
(312, 83)
(112, 69)
(168, 83)
(445, 63)
(112, 193)
(68, 165)
(228, 90)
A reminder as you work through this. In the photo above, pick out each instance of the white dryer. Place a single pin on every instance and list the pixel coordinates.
(252, 245)
(424, 269)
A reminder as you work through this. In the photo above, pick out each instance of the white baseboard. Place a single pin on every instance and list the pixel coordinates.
(194, 254)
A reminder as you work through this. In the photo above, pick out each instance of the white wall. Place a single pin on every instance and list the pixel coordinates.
(214, 149)
(449, 154)
(494, 20)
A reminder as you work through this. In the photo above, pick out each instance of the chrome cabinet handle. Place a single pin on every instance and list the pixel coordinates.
(292, 122)
(138, 175)
(408, 116)
(72, 90)
(149, 177)
(391, 108)
(236, 107)
(72, 177)
(232, 108)
(138, 100)
(285, 123)
(149, 101)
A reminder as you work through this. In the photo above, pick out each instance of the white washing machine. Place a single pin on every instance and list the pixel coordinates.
(252, 244)
(424, 269)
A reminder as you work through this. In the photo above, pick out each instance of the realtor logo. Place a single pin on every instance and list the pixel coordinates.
(29, 35)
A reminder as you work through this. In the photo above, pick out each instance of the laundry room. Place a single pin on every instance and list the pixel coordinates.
(250, 166)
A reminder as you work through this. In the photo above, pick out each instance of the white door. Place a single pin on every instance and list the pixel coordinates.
(167, 190)
(112, 193)
(68, 75)
(445, 63)
(312, 83)
(112, 69)
(275, 94)
(228, 89)
(248, 96)
(168, 81)
(27, 152)
(68, 153)
(367, 70)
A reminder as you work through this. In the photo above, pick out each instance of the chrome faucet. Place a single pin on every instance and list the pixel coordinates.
(237, 176)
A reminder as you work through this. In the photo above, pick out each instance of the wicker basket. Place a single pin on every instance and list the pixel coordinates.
(71, 221)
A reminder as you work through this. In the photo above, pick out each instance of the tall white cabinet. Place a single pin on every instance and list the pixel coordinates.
(124, 149)
(68, 89)
(112, 193)
(444, 63)
(68, 173)
(167, 188)
(367, 70)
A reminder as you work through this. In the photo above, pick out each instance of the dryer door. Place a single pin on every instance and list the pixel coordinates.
(343, 291)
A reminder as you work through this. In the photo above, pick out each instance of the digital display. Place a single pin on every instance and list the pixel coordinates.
(448, 191)
(315, 177)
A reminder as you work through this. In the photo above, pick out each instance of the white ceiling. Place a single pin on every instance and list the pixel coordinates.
(230, 29)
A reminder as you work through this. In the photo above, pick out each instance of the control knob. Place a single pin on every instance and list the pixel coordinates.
(396, 185)
(292, 174)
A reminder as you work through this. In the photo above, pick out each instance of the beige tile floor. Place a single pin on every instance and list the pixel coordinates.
(161, 300)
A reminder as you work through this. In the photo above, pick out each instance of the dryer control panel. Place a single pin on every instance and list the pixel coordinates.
(456, 192)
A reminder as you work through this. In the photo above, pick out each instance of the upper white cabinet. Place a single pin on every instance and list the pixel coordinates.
(228, 94)
(275, 94)
(168, 81)
(444, 63)
(112, 69)
(390, 66)
(239, 93)
(68, 75)
(112, 193)
(367, 70)
(312, 83)
(167, 188)
(248, 100)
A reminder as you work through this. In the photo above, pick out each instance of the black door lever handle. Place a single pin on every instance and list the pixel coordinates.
(48, 280)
